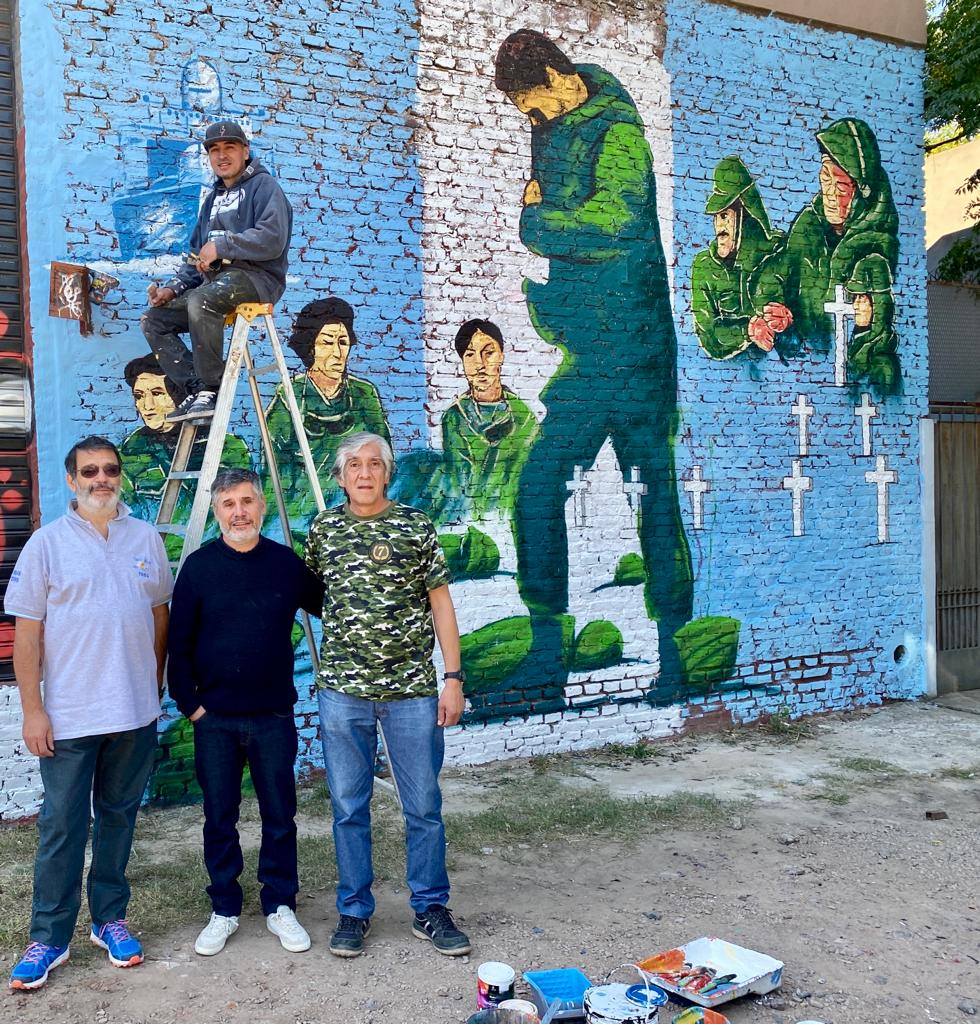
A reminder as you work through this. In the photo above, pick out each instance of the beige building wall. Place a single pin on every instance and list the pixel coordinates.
(945, 172)
(904, 20)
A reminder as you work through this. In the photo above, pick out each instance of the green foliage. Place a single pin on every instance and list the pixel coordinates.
(708, 648)
(470, 556)
(630, 571)
(599, 645)
(962, 263)
(490, 654)
(952, 83)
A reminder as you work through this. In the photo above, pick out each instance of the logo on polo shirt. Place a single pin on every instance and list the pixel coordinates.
(142, 567)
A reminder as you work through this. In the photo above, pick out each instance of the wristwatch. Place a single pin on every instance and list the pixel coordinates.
(455, 675)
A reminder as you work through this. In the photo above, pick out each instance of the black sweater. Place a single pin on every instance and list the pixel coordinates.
(231, 618)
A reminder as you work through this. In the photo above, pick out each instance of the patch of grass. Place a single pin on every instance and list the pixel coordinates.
(547, 810)
(641, 750)
(781, 725)
(954, 772)
(835, 788)
(873, 766)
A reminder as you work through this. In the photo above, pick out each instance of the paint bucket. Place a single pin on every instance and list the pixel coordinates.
(616, 1003)
(524, 1006)
(496, 1015)
(494, 984)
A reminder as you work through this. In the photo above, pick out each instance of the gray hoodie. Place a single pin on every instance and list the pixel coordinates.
(250, 225)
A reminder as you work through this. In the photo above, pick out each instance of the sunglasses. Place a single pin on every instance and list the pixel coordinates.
(90, 472)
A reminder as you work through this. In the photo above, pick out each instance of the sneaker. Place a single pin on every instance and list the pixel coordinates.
(292, 934)
(194, 407)
(215, 934)
(114, 937)
(32, 971)
(437, 925)
(349, 935)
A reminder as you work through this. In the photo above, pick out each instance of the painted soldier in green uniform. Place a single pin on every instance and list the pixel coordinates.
(591, 209)
(852, 220)
(871, 352)
(148, 452)
(333, 405)
(486, 433)
(728, 316)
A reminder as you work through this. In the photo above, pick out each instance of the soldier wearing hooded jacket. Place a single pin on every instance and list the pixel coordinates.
(728, 316)
(852, 220)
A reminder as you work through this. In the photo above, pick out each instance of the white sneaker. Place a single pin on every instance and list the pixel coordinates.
(215, 934)
(292, 934)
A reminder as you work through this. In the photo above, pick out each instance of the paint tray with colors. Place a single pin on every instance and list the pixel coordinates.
(565, 983)
(709, 971)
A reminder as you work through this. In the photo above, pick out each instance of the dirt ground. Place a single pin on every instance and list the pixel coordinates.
(827, 862)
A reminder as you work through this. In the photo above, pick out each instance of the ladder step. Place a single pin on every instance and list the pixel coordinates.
(190, 474)
(260, 371)
(171, 528)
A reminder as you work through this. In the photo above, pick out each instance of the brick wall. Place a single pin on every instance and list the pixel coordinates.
(406, 168)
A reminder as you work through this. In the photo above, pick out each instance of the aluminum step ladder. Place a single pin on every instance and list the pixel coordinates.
(239, 358)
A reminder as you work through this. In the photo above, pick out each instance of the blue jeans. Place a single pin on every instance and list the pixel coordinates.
(93, 776)
(201, 312)
(223, 744)
(416, 746)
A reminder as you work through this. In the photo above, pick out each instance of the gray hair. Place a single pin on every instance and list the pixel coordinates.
(353, 444)
(228, 479)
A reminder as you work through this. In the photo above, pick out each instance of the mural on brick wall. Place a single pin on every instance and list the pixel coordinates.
(649, 349)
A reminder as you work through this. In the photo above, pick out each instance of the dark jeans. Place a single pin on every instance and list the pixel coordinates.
(100, 777)
(200, 311)
(223, 744)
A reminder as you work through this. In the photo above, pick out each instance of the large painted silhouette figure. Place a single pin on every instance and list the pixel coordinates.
(590, 208)
(333, 405)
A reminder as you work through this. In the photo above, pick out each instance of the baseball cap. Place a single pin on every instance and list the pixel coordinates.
(224, 131)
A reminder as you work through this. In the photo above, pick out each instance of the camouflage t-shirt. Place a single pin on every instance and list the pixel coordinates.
(377, 622)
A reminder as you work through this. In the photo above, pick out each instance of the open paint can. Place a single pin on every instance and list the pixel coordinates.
(494, 984)
(615, 1003)
(524, 1006)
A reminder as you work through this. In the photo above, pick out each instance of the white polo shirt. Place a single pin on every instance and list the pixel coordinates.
(95, 597)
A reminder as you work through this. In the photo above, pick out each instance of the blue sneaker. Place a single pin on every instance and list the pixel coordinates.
(114, 937)
(38, 960)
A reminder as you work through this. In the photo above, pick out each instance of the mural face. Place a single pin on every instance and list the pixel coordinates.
(677, 447)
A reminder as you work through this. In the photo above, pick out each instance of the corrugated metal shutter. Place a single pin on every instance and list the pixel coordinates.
(16, 485)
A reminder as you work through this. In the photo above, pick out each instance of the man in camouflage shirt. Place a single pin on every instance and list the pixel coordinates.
(386, 587)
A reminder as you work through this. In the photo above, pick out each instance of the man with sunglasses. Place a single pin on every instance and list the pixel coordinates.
(89, 593)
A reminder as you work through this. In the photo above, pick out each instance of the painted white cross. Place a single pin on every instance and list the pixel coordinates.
(578, 485)
(841, 311)
(797, 483)
(804, 410)
(867, 412)
(881, 476)
(697, 486)
(634, 489)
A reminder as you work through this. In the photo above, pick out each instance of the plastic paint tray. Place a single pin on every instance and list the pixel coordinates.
(754, 972)
(566, 983)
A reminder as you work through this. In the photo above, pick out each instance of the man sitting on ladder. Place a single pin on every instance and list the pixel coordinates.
(238, 254)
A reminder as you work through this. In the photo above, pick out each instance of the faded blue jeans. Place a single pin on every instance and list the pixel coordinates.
(201, 312)
(105, 775)
(416, 746)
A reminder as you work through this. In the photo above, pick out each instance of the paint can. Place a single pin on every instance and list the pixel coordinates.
(524, 1006)
(615, 1003)
(494, 984)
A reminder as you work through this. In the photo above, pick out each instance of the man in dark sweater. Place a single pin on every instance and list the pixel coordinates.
(231, 674)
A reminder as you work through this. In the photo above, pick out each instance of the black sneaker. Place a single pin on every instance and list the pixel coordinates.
(437, 925)
(194, 407)
(349, 935)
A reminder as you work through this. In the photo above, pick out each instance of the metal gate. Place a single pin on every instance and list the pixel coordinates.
(957, 493)
(16, 488)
